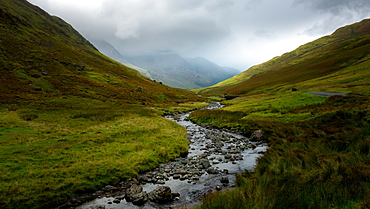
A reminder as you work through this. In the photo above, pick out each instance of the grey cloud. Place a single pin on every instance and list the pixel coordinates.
(252, 4)
(167, 26)
(336, 6)
(44, 3)
(334, 14)
(264, 33)
(237, 33)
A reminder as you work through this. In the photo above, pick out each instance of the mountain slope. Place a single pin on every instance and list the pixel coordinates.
(214, 72)
(43, 57)
(176, 71)
(109, 50)
(339, 60)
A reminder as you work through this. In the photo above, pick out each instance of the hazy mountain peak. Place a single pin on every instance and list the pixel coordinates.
(171, 68)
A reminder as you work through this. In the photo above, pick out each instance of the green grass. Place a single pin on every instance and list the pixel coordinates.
(284, 107)
(282, 100)
(319, 152)
(306, 171)
(50, 154)
(183, 107)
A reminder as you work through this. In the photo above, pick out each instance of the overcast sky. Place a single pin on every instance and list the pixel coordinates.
(233, 33)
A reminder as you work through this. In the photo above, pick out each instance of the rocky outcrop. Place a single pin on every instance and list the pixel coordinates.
(139, 199)
(161, 194)
(132, 191)
(257, 136)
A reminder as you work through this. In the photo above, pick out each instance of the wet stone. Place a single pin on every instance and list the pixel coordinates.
(140, 199)
(117, 201)
(224, 180)
(142, 179)
(161, 194)
(120, 196)
(133, 190)
(212, 170)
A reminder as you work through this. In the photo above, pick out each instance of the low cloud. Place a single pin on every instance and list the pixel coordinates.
(233, 33)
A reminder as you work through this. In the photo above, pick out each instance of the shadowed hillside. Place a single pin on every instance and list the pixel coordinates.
(42, 57)
(335, 62)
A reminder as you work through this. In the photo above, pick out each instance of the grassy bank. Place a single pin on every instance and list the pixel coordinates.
(318, 155)
(54, 150)
(183, 107)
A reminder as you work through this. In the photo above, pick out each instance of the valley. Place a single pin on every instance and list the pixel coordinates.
(73, 120)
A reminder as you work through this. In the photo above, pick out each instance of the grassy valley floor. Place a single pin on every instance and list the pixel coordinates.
(55, 150)
(319, 155)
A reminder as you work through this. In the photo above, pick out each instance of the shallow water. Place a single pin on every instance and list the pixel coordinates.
(202, 140)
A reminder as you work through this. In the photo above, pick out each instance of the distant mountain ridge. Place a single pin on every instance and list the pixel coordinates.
(334, 62)
(170, 68)
(187, 73)
(109, 50)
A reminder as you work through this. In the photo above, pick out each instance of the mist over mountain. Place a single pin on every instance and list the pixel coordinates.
(188, 73)
(170, 68)
(110, 51)
(107, 49)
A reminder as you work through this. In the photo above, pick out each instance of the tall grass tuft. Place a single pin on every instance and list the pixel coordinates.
(323, 162)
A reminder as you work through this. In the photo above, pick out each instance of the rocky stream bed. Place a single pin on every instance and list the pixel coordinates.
(214, 157)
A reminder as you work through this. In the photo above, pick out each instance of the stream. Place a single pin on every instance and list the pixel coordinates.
(214, 157)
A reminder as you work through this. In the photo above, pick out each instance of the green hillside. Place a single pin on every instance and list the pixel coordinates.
(319, 146)
(338, 62)
(71, 119)
(42, 57)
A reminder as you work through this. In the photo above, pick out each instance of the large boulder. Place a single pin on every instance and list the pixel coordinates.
(257, 136)
(212, 170)
(133, 190)
(205, 163)
(224, 180)
(161, 194)
(139, 199)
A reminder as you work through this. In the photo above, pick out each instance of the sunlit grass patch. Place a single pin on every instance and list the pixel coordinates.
(183, 107)
(278, 116)
(263, 101)
(63, 152)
